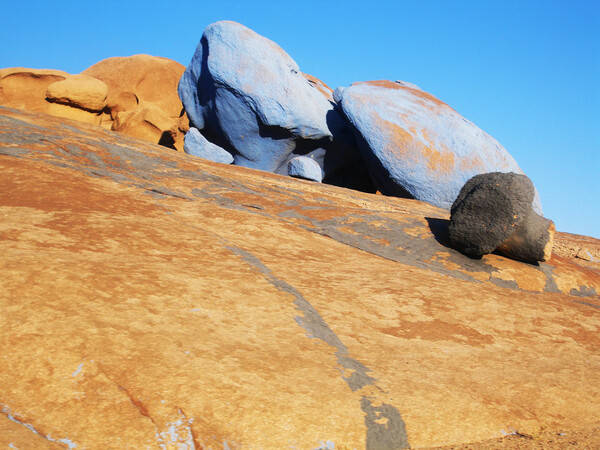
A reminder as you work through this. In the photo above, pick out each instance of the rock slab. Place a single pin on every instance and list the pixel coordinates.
(179, 303)
(417, 146)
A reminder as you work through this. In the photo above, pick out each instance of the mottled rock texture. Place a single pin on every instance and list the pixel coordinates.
(135, 95)
(249, 97)
(150, 299)
(417, 146)
(493, 211)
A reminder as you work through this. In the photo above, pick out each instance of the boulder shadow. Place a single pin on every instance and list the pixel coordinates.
(439, 229)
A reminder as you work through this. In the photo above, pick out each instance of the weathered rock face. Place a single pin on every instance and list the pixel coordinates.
(417, 146)
(493, 211)
(139, 86)
(134, 95)
(249, 97)
(153, 299)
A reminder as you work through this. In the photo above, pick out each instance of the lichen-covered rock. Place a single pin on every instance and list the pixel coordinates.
(249, 97)
(306, 168)
(197, 145)
(494, 211)
(415, 145)
(140, 79)
(80, 91)
(140, 89)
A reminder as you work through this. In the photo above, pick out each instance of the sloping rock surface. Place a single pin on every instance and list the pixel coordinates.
(152, 299)
(417, 146)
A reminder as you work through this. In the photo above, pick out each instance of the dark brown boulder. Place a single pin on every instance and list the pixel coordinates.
(494, 211)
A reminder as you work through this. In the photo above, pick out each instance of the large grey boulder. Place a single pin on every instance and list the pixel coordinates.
(417, 146)
(493, 211)
(249, 97)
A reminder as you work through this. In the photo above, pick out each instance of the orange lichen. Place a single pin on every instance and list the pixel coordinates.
(439, 330)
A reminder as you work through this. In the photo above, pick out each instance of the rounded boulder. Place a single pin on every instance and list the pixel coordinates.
(417, 146)
(493, 211)
(79, 91)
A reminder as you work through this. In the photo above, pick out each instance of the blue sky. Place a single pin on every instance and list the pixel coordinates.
(527, 72)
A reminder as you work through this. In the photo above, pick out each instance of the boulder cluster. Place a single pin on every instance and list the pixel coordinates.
(248, 97)
(135, 95)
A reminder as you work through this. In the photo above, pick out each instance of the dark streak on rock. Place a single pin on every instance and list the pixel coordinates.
(550, 283)
(388, 436)
(383, 432)
(587, 304)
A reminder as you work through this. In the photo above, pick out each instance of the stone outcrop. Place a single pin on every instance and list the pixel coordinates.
(134, 95)
(493, 211)
(197, 145)
(151, 299)
(139, 87)
(415, 145)
(246, 95)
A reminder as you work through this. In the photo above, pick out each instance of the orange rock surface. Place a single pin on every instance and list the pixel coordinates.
(151, 299)
(139, 86)
(135, 95)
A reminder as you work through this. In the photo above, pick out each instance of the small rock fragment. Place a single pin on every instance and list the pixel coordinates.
(306, 168)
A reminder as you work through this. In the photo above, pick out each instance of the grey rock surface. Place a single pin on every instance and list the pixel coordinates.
(196, 144)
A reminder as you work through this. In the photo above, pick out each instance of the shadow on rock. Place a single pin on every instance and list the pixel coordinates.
(439, 229)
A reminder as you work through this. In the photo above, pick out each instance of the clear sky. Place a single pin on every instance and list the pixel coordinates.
(527, 72)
